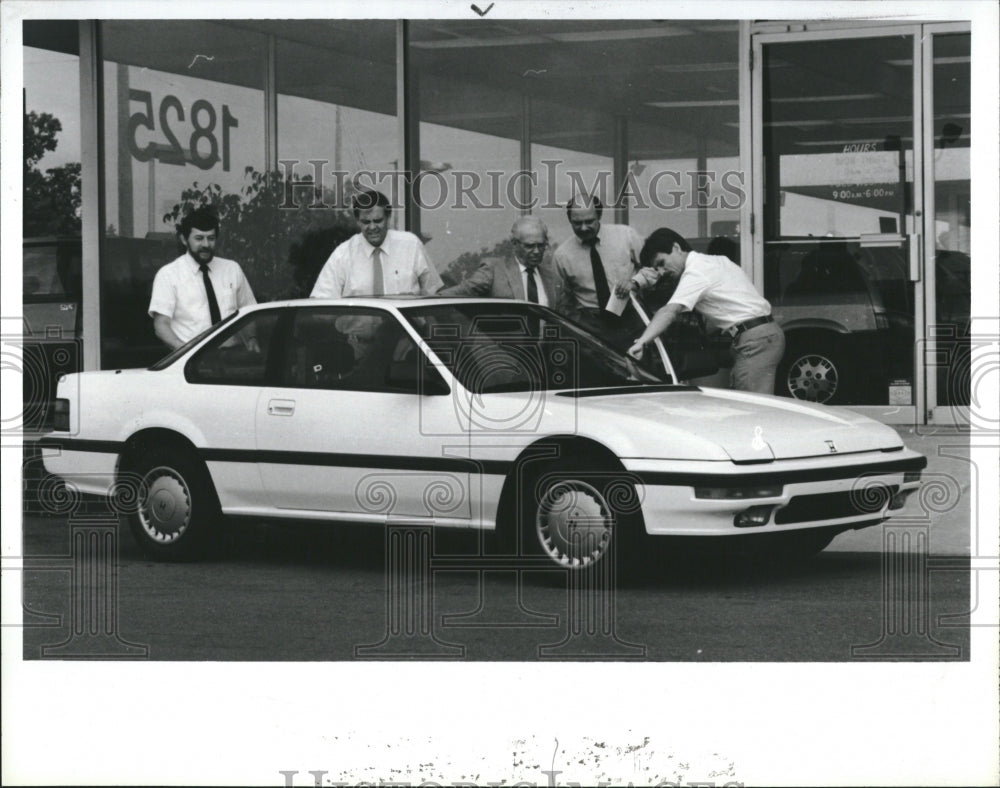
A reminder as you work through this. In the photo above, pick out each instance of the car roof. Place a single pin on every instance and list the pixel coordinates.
(394, 301)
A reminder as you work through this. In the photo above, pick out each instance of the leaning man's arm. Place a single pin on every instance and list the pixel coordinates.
(427, 275)
(161, 326)
(661, 322)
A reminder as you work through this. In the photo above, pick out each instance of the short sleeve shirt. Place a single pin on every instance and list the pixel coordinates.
(406, 268)
(179, 293)
(720, 290)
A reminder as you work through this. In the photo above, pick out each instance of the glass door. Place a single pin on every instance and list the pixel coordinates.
(947, 196)
(837, 247)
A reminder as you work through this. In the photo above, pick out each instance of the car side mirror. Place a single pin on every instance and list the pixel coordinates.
(408, 376)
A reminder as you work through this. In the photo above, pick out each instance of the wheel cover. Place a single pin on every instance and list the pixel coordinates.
(165, 508)
(813, 378)
(573, 523)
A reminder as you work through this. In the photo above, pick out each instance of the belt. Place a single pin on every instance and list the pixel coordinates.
(746, 325)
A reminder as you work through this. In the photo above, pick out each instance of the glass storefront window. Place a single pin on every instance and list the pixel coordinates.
(51, 220)
(336, 96)
(184, 124)
(573, 98)
(572, 150)
(467, 194)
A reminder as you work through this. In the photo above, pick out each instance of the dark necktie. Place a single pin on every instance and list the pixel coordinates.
(600, 278)
(532, 284)
(378, 285)
(213, 304)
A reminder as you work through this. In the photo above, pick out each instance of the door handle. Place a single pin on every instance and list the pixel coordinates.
(915, 251)
(281, 407)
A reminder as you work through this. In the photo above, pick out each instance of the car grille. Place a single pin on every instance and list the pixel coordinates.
(830, 506)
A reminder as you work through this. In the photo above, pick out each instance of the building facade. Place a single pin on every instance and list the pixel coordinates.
(830, 159)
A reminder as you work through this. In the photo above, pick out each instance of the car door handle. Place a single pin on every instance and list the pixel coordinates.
(281, 407)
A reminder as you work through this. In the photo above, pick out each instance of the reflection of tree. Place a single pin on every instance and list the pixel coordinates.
(52, 198)
(278, 243)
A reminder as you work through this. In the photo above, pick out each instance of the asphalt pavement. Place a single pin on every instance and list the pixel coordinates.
(945, 504)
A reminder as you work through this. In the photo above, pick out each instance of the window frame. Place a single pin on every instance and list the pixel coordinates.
(272, 354)
(438, 386)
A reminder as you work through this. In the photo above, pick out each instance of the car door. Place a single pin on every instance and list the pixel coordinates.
(348, 430)
(218, 404)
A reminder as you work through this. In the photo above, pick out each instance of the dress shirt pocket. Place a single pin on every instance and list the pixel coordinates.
(226, 294)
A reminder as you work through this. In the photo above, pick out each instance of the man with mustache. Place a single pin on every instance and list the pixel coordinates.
(198, 289)
(598, 261)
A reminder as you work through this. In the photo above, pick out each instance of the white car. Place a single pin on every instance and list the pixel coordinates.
(467, 413)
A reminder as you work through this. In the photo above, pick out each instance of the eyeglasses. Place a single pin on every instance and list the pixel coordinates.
(532, 247)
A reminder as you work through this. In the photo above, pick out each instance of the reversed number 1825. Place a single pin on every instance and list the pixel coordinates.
(203, 145)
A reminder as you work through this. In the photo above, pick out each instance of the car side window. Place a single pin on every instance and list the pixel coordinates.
(237, 357)
(350, 350)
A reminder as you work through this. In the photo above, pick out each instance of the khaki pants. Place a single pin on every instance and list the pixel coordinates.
(756, 355)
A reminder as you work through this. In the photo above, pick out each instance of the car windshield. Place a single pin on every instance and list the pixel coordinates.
(177, 352)
(504, 346)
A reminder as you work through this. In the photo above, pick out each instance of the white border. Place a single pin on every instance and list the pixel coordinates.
(240, 723)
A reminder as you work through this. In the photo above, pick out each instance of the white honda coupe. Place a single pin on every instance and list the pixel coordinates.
(461, 413)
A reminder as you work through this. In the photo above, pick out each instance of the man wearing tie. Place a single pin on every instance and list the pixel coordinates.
(198, 289)
(591, 264)
(376, 261)
(526, 275)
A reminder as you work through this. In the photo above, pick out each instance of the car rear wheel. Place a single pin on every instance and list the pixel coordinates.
(175, 504)
(574, 514)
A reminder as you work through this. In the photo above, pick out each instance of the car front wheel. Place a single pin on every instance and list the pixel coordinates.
(175, 505)
(574, 515)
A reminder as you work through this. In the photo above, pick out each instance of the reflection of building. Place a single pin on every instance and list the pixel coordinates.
(500, 118)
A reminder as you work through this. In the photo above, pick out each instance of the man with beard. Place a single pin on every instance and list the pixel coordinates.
(376, 261)
(198, 289)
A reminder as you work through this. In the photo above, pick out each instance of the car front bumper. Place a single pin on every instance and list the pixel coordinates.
(809, 493)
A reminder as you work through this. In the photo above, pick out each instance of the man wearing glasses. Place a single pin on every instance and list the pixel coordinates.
(527, 275)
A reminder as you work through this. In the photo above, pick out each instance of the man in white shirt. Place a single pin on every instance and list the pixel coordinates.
(727, 299)
(376, 261)
(525, 275)
(198, 289)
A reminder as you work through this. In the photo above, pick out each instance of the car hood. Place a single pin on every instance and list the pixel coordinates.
(747, 427)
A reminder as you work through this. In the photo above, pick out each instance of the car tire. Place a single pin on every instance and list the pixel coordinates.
(814, 369)
(576, 513)
(175, 509)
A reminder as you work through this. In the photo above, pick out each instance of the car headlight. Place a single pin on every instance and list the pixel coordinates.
(739, 493)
